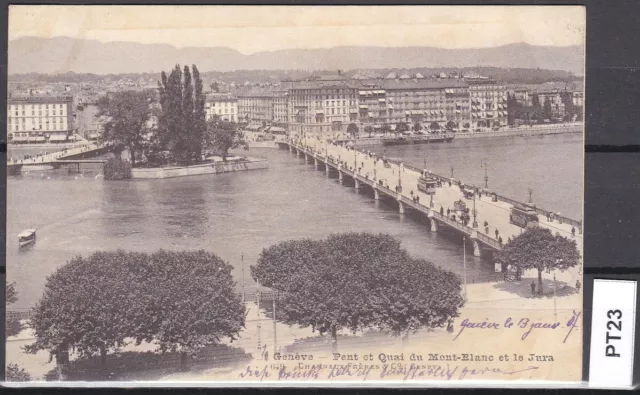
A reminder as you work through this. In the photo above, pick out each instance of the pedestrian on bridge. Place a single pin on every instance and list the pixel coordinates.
(573, 231)
(486, 224)
(448, 212)
(497, 233)
(441, 210)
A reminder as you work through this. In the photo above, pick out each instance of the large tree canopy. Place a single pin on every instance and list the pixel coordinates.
(128, 114)
(224, 135)
(352, 129)
(537, 248)
(181, 301)
(357, 281)
(182, 120)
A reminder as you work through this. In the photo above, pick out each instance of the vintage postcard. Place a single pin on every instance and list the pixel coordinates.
(343, 195)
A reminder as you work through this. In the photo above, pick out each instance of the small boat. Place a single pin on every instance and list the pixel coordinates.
(27, 237)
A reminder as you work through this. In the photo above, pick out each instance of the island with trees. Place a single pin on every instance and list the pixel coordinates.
(168, 134)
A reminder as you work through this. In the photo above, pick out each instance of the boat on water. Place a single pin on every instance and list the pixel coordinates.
(27, 237)
(409, 140)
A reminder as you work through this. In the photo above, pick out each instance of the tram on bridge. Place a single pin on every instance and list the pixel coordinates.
(524, 217)
(427, 184)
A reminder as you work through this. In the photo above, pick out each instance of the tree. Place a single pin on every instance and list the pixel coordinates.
(214, 86)
(546, 109)
(466, 125)
(13, 326)
(182, 120)
(513, 108)
(434, 126)
(451, 125)
(356, 281)
(569, 107)
(352, 129)
(116, 169)
(369, 130)
(537, 248)
(200, 115)
(178, 300)
(190, 300)
(14, 373)
(417, 127)
(223, 136)
(402, 127)
(385, 129)
(89, 305)
(537, 107)
(127, 113)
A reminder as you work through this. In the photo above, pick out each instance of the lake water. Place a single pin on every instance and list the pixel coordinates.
(236, 215)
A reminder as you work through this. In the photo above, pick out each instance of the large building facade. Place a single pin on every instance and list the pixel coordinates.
(488, 100)
(255, 106)
(40, 119)
(222, 105)
(322, 106)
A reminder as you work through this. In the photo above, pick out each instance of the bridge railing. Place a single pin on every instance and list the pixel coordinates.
(490, 241)
(414, 205)
(501, 198)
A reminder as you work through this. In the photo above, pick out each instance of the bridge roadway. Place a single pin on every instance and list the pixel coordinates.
(57, 158)
(370, 171)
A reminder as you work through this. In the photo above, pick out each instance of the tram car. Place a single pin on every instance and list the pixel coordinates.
(524, 217)
(427, 184)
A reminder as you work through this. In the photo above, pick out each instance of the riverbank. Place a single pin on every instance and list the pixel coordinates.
(535, 130)
(195, 170)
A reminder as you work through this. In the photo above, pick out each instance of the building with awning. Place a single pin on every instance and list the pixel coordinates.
(57, 138)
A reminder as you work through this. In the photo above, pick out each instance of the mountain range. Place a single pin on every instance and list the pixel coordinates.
(63, 54)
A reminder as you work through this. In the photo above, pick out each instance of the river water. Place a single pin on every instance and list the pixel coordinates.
(236, 215)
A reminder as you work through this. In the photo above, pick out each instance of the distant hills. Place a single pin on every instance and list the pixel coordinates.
(64, 54)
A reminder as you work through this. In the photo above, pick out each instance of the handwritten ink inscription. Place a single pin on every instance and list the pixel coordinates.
(526, 324)
(404, 371)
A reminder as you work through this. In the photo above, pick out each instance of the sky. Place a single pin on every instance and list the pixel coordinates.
(250, 29)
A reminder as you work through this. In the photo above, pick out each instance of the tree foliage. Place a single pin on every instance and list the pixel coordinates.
(537, 248)
(224, 135)
(182, 121)
(352, 129)
(14, 373)
(417, 127)
(357, 281)
(402, 127)
(179, 300)
(547, 112)
(13, 325)
(434, 126)
(116, 169)
(128, 114)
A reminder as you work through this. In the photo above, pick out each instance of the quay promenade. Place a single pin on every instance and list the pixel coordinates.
(534, 130)
(399, 182)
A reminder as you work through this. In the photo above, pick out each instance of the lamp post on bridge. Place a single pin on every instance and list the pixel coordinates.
(464, 264)
(486, 177)
(475, 222)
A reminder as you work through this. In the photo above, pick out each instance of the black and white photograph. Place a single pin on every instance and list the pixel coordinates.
(290, 195)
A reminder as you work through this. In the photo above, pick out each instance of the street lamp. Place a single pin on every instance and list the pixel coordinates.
(530, 195)
(464, 264)
(475, 222)
(486, 177)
